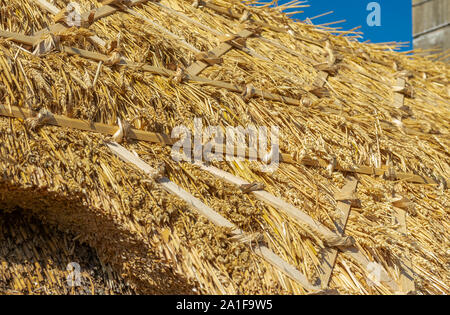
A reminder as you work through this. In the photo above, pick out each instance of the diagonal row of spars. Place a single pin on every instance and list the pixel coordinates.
(204, 59)
(332, 239)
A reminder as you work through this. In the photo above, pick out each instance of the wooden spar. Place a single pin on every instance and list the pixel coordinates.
(105, 11)
(18, 38)
(192, 78)
(406, 268)
(272, 42)
(399, 98)
(321, 79)
(316, 227)
(100, 12)
(213, 216)
(313, 227)
(367, 170)
(59, 27)
(63, 121)
(238, 89)
(330, 254)
(157, 70)
(48, 6)
(198, 66)
(108, 10)
(186, 18)
(19, 112)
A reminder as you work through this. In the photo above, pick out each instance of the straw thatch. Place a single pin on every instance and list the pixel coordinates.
(35, 257)
(357, 115)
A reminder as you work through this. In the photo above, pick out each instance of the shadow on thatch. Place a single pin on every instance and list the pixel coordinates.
(34, 259)
(129, 256)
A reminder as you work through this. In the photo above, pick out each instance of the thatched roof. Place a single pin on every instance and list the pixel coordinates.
(35, 259)
(349, 113)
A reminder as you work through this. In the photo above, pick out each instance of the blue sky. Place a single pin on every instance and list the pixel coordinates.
(396, 18)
